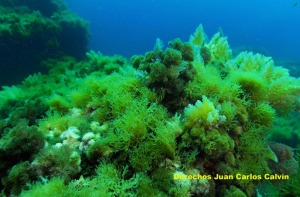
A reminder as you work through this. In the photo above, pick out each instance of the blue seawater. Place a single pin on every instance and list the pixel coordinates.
(131, 27)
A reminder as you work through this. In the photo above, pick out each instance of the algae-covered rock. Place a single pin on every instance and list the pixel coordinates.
(167, 123)
(32, 31)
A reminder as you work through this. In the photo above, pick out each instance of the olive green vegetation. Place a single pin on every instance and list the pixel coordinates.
(32, 31)
(107, 126)
(287, 130)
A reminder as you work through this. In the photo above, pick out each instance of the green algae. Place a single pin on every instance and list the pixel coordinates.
(107, 126)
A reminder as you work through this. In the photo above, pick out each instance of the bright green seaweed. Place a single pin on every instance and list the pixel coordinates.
(107, 126)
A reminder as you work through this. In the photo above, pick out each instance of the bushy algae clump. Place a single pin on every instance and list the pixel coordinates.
(108, 126)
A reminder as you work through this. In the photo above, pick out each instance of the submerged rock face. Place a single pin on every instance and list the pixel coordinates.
(32, 31)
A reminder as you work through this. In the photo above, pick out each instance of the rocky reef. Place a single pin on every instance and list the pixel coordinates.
(188, 119)
(32, 31)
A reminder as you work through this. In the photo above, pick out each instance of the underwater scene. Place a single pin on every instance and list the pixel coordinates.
(153, 98)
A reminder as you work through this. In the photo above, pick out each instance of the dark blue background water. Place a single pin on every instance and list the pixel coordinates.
(130, 27)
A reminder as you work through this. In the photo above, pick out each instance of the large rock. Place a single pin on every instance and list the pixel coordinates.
(32, 31)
